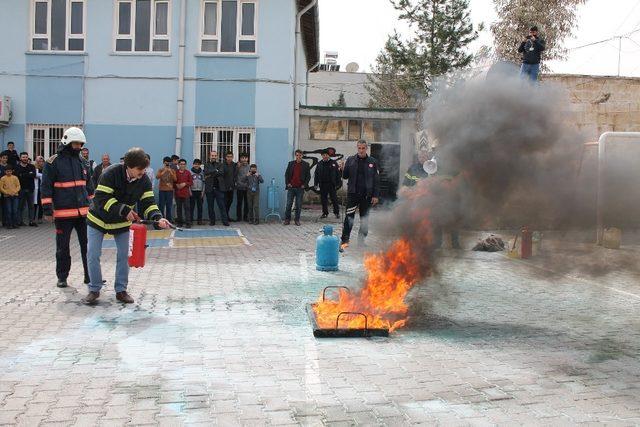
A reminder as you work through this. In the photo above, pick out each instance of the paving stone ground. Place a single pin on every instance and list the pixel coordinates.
(220, 336)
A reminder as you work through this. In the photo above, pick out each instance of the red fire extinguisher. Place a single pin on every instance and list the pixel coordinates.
(526, 248)
(137, 245)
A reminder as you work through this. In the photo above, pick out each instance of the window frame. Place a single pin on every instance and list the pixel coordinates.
(237, 131)
(132, 29)
(218, 35)
(46, 128)
(67, 30)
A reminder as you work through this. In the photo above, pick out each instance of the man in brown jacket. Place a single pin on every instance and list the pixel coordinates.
(166, 179)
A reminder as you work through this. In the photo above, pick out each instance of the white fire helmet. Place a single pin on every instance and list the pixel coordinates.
(73, 134)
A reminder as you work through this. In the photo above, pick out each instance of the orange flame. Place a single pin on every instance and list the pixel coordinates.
(390, 276)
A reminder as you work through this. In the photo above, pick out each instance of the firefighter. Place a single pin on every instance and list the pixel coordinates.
(363, 189)
(119, 189)
(416, 171)
(65, 200)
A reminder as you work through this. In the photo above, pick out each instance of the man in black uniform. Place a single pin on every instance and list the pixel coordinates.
(65, 198)
(416, 171)
(326, 177)
(363, 189)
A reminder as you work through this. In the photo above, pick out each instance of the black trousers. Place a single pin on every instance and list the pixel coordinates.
(327, 190)
(228, 201)
(362, 203)
(183, 210)
(64, 227)
(216, 197)
(196, 202)
(241, 201)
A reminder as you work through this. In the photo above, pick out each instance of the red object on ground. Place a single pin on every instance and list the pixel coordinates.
(526, 248)
(137, 245)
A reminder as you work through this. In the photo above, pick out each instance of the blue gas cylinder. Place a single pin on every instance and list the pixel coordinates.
(327, 246)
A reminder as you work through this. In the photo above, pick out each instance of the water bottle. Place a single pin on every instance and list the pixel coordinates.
(327, 246)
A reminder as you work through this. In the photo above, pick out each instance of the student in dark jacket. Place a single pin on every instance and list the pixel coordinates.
(363, 188)
(326, 177)
(227, 180)
(215, 196)
(296, 178)
(26, 173)
(111, 212)
(65, 200)
(12, 155)
(531, 49)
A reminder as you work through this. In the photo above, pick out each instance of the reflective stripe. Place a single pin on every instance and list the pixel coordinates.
(100, 223)
(412, 177)
(47, 201)
(70, 213)
(146, 195)
(151, 208)
(70, 184)
(112, 201)
(105, 189)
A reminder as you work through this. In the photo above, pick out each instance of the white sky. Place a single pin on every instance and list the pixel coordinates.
(357, 30)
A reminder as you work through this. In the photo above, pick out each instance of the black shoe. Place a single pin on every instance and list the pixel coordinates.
(343, 246)
(212, 223)
(337, 216)
(62, 284)
(323, 216)
(256, 222)
(91, 298)
(22, 224)
(226, 224)
(33, 224)
(124, 297)
(188, 225)
(296, 222)
(286, 222)
(199, 222)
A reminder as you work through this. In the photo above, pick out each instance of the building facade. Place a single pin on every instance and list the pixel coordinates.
(171, 76)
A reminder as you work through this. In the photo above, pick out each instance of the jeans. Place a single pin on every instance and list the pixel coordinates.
(327, 189)
(95, 238)
(363, 203)
(228, 201)
(196, 201)
(64, 228)
(294, 193)
(241, 201)
(253, 202)
(183, 210)
(530, 71)
(10, 210)
(165, 203)
(216, 197)
(26, 198)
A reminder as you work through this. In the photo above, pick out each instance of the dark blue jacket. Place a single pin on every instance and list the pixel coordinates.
(65, 189)
(372, 175)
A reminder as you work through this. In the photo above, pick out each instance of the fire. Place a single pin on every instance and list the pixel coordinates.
(390, 276)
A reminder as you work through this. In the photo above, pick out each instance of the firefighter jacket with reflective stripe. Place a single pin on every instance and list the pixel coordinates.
(65, 188)
(414, 174)
(116, 196)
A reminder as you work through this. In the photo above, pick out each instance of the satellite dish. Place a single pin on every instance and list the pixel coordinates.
(352, 67)
(430, 166)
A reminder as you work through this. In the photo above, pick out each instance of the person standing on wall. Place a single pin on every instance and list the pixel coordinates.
(228, 182)
(327, 176)
(215, 196)
(65, 200)
(296, 178)
(531, 49)
(363, 189)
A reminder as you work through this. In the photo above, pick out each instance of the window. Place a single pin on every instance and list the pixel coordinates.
(43, 140)
(223, 140)
(142, 25)
(57, 25)
(328, 129)
(228, 26)
(381, 130)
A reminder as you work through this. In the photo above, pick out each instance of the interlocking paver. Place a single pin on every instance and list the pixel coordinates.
(220, 336)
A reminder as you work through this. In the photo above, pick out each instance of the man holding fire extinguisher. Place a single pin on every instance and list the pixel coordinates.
(119, 189)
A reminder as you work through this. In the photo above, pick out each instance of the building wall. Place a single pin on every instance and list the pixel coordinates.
(325, 87)
(125, 100)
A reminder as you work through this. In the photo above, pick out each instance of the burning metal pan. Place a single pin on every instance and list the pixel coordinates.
(338, 332)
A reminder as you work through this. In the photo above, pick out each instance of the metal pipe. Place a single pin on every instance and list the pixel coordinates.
(181, 54)
(296, 106)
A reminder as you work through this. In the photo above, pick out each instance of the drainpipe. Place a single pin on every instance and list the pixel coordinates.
(296, 105)
(181, 53)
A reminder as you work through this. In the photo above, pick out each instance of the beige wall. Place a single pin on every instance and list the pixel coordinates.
(601, 104)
